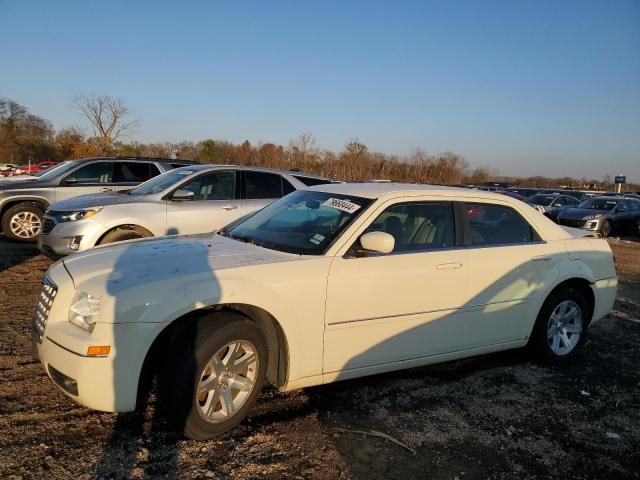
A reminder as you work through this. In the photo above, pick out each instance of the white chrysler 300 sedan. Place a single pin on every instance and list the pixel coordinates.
(329, 283)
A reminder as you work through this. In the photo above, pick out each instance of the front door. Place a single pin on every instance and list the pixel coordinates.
(214, 204)
(403, 305)
(95, 177)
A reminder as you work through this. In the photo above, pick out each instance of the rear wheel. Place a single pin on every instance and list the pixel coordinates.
(23, 222)
(561, 326)
(215, 373)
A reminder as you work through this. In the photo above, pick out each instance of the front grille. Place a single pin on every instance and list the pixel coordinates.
(48, 292)
(571, 222)
(47, 225)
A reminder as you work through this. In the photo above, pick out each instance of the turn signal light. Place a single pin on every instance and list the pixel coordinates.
(98, 350)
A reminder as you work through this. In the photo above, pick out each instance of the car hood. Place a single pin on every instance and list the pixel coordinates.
(17, 178)
(95, 200)
(8, 183)
(146, 260)
(580, 213)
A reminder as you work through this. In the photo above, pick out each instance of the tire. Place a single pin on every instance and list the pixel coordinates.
(22, 222)
(546, 338)
(605, 229)
(119, 235)
(195, 356)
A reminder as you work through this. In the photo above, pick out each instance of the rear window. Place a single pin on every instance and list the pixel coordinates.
(310, 181)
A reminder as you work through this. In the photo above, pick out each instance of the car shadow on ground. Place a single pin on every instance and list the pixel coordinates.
(14, 253)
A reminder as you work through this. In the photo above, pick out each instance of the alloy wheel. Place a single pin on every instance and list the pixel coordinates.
(227, 380)
(25, 225)
(564, 328)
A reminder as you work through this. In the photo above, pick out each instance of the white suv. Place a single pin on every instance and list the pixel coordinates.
(329, 283)
(188, 200)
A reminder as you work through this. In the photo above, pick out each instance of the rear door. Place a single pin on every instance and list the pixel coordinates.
(509, 266)
(215, 204)
(94, 177)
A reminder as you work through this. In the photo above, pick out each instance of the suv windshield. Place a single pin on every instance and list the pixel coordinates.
(162, 182)
(55, 170)
(303, 222)
(599, 204)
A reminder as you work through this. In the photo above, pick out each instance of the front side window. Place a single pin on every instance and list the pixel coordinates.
(213, 186)
(490, 224)
(262, 185)
(417, 226)
(92, 174)
(304, 222)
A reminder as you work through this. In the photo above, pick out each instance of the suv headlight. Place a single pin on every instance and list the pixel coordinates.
(84, 311)
(78, 215)
(592, 217)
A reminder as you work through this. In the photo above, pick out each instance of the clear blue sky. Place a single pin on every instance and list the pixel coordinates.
(529, 87)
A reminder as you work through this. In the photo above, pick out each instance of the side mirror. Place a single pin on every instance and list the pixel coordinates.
(70, 181)
(182, 195)
(380, 242)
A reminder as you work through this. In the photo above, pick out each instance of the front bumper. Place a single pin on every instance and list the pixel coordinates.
(56, 243)
(107, 383)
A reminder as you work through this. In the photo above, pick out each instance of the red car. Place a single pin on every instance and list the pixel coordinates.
(38, 167)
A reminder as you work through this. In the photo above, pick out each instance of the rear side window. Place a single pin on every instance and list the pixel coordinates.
(310, 182)
(262, 185)
(490, 224)
(417, 226)
(134, 172)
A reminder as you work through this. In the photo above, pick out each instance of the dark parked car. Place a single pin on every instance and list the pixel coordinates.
(606, 215)
(582, 196)
(24, 201)
(524, 191)
(551, 204)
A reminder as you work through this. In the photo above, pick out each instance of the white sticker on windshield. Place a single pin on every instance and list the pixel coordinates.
(317, 238)
(344, 205)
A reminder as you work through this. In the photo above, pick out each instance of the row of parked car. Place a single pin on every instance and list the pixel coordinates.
(607, 214)
(12, 169)
(126, 198)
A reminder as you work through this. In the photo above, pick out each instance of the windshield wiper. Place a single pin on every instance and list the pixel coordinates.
(245, 239)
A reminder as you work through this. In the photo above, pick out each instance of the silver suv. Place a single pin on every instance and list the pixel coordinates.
(188, 200)
(23, 203)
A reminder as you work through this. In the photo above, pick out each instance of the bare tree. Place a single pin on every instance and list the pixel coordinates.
(107, 116)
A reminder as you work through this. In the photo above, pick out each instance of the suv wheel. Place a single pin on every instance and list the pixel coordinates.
(561, 326)
(215, 373)
(22, 222)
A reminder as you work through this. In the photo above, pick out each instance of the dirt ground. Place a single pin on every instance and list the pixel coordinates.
(497, 416)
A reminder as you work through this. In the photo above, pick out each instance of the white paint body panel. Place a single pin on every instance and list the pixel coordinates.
(341, 317)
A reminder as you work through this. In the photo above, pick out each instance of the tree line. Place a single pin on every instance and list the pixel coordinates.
(25, 137)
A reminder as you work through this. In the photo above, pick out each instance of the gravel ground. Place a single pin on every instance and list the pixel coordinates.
(497, 416)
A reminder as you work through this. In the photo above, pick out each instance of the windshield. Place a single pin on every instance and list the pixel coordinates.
(55, 170)
(599, 204)
(542, 200)
(162, 182)
(303, 222)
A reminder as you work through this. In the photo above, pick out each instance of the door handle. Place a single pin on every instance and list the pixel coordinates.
(230, 207)
(541, 258)
(449, 266)
(106, 189)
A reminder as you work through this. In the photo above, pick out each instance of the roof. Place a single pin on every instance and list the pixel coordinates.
(377, 190)
(214, 166)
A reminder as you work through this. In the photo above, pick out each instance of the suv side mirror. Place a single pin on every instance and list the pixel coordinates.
(379, 242)
(70, 181)
(182, 195)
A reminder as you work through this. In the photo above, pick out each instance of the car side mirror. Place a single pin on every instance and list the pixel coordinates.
(379, 242)
(70, 181)
(182, 195)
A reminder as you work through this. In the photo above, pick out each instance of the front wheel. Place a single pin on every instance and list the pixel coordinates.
(605, 230)
(22, 222)
(561, 326)
(216, 371)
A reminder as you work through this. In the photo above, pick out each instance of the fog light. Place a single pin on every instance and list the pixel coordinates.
(74, 243)
(593, 224)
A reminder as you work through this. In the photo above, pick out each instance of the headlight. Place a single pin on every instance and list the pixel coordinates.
(78, 215)
(592, 217)
(84, 311)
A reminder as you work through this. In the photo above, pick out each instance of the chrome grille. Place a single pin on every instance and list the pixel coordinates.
(47, 225)
(48, 292)
(571, 223)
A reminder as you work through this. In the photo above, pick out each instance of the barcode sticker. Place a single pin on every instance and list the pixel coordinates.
(344, 205)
